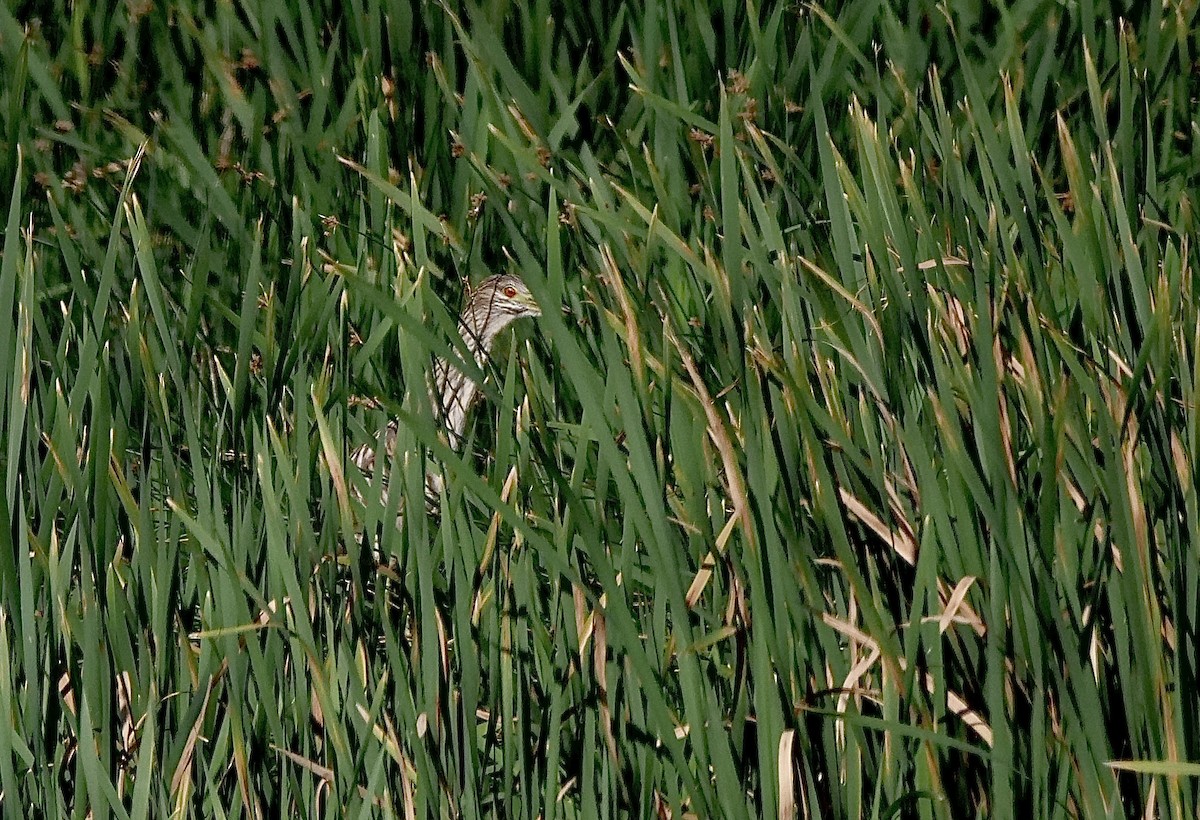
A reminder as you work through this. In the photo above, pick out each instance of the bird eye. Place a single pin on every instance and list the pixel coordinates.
(510, 292)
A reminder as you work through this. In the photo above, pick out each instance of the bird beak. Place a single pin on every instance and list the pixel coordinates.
(530, 305)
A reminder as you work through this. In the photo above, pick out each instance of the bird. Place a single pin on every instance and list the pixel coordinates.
(490, 307)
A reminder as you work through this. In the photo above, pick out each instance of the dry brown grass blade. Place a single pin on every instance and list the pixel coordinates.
(734, 482)
(181, 779)
(612, 278)
(901, 541)
(791, 785)
(954, 702)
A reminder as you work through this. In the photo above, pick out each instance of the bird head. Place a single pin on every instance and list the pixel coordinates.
(496, 303)
(508, 293)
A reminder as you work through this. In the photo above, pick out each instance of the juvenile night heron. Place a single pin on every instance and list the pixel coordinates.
(496, 303)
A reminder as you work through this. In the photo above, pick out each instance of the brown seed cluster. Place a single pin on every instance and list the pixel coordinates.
(477, 202)
(738, 83)
(704, 140)
(76, 179)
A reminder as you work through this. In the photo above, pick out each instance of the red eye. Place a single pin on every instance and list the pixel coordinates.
(510, 292)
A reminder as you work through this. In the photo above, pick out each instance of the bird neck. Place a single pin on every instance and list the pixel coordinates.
(478, 338)
(453, 391)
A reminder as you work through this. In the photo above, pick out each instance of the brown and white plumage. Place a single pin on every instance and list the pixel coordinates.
(496, 303)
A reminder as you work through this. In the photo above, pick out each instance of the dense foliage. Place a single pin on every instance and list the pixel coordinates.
(854, 478)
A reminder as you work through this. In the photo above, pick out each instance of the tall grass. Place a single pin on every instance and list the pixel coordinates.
(854, 478)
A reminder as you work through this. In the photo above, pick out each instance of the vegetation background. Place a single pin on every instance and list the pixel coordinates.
(856, 476)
